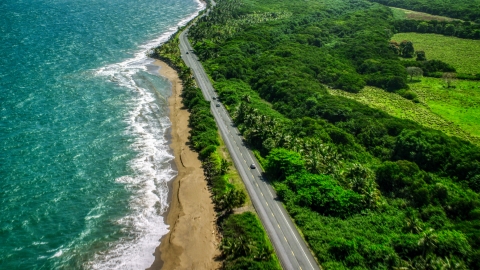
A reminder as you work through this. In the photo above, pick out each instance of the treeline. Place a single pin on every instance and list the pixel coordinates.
(368, 191)
(468, 10)
(454, 28)
(437, 69)
(243, 247)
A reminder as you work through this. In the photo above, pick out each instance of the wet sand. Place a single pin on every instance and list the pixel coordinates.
(192, 242)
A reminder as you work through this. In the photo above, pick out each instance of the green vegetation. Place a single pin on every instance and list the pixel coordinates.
(368, 190)
(447, 28)
(245, 245)
(245, 248)
(414, 21)
(453, 111)
(468, 10)
(233, 175)
(402, 14)
(463, 54)
(460, 105)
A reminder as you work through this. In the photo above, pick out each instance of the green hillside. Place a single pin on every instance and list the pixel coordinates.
(368, 190)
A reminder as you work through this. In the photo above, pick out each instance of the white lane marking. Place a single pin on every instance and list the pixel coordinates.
(195, 63)
(269, 191)
(296, 239)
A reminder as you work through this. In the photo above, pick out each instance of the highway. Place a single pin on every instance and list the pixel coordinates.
(289, 246)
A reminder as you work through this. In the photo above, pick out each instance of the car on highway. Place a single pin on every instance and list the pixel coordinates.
(252, 166)
(218, 104)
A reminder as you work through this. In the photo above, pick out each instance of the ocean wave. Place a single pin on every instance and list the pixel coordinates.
(151, 167)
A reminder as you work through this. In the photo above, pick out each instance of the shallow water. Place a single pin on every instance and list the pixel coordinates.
(84, 161)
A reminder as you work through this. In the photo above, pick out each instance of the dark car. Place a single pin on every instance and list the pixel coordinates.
(252, 166)
(186, 52)
(218, 105)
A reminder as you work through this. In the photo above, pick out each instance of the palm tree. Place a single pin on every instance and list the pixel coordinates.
(232, 199)
(451, 264)
(264, 254)
(412, 223)
(238, 247)
(224, 166)
(428, 242)
(405, 265)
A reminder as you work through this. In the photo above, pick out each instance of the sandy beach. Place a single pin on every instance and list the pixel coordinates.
(192, 242)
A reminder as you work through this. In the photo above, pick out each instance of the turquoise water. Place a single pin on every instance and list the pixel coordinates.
(84, 162)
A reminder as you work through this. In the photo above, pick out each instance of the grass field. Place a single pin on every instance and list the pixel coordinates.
(454, 111)
(463, 54)
(402, 14)
(234, 176)
(460, 105)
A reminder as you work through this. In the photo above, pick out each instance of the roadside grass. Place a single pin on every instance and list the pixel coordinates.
(440, 109)
(463, 54)
(402, 14)
(233, 175)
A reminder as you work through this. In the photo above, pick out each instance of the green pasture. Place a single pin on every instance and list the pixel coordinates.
(453, 111)
(463, 54)
(460, 105)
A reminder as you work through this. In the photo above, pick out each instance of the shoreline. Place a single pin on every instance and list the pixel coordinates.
(192, 241)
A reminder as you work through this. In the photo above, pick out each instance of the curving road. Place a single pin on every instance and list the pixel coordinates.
(289, 246)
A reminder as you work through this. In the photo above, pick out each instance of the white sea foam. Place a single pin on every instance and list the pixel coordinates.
(152, 171)
(58, 253)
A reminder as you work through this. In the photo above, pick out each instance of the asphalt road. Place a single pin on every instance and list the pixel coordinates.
(289, 246)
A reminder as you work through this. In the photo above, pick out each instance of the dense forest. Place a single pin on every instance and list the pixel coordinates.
(454, 28)
(367, 190)
(467, 10)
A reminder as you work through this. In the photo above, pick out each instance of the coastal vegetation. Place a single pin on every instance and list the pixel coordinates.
(244, 244)
(368, 190)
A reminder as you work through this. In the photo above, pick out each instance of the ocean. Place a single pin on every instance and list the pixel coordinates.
(84, 155)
